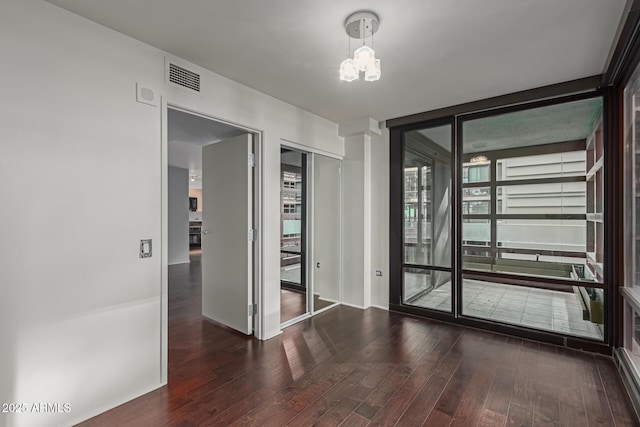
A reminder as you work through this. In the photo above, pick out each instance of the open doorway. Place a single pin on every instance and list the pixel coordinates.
(211, 218)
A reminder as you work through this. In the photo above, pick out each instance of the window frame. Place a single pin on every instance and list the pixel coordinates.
(397, 128)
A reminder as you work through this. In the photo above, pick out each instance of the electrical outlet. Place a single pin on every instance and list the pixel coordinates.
(145, 248)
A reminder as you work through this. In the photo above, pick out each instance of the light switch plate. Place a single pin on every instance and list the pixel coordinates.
(145, 248)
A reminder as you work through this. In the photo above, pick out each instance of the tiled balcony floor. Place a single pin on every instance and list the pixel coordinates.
(517, 305)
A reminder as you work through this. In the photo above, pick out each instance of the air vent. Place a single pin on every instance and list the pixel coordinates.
(184, 78)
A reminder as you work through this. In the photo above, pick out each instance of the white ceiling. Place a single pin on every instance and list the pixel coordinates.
(187, 134)
(434, 53)
(185, 127)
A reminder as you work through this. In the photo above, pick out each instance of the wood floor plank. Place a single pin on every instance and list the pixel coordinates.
(402, 398)
(443, 362)
(570, 402)
(309, 415)
(355, 420)
(463, 396)
(381, 395)
(496, 407)
(546, 410)
(344, 407)
(619, 403)
(595, 399)
(522, 404)
(291, 401)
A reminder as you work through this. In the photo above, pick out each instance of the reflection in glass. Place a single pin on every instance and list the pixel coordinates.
(418, 213)
(293, 292)
(291, 212)
(631, 133)
(427, 288)
(632, 181)
(427, 197)
(290, 268)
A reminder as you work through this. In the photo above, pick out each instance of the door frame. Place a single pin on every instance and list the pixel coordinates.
(258, 220)
(396, 223)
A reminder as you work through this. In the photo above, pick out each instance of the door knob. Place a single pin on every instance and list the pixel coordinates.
(205, 231)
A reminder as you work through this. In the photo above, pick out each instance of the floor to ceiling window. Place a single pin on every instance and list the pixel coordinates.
(503, 219)
(532, 218)
(631, 290)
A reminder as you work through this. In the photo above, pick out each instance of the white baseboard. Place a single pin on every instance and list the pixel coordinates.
(327, 308)
(380, 307)
(329, 300)
(273, 335)
(117, 403)
(353, 305)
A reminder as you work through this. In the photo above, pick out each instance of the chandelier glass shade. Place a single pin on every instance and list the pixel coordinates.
(361, 25)
(364, 57)
(348, 70)
(372, 71)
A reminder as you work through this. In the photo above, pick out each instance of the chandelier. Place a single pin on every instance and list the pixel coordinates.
(360, 25)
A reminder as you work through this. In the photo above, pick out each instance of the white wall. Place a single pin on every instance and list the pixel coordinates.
(178, 216)
(353, 227)
(380, 218)
(80, 313)
(365, 213)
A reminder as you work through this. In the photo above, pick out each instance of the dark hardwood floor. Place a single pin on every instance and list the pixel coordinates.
(355, 368)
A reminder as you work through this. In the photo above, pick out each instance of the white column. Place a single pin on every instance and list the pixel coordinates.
(356, 211)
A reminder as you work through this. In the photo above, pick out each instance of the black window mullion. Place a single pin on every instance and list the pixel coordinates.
(493, 201)
(457, 209)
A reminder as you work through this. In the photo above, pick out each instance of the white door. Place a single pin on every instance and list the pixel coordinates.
(227, 217)
(326, 230)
